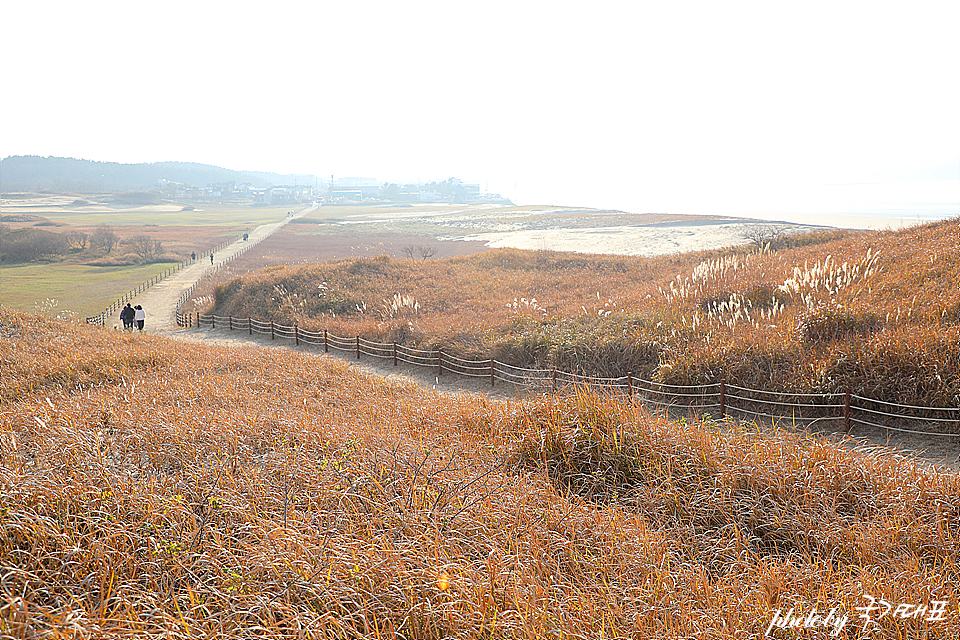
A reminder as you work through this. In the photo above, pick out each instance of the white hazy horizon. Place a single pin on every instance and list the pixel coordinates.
(819, 112)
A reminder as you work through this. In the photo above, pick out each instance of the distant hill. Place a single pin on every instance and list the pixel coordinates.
(36, 173)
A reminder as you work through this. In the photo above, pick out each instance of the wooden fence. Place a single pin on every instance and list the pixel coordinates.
(842, 410)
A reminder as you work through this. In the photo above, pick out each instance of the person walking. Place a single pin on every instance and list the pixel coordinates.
(127, 315)
(140, 317)
(193, 256)
(211, 258)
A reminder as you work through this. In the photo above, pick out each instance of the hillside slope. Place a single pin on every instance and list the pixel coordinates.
(874, 312)
(154, 488)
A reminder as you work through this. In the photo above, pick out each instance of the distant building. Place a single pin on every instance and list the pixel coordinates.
(467, 192)
(220, 189)
(279, 195)
(409, 193)
(344, 195)
(362, 189)
(283, 195)
(343, 191)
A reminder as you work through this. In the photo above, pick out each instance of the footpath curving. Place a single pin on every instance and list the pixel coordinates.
(842, 410)
(898, 435)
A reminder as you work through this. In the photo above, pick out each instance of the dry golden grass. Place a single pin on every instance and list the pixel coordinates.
(875, 312)
(156, 489)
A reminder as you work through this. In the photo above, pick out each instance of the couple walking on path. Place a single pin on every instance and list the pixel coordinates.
(133, 315)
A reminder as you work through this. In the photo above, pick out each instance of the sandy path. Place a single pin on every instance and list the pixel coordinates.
(160, 300)
(426, 377)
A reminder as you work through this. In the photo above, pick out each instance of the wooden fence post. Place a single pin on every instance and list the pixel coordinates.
(326, 347)
(394, 353)
(723, 399)
(198, 319)
(846, 411)
(213, 321)
(296, 334)
(358, 347)
(230, 323)
(630, 384)
(272, 331)
(249, 326)
(491, 372)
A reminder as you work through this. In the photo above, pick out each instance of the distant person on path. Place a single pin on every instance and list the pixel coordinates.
(140, 316)
(211, 258)
(127, 315)
(193, 256)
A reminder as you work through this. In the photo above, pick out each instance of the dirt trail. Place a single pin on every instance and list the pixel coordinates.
(446, 383)
(160, 302)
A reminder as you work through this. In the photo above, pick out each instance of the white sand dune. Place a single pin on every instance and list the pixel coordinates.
(646, 240)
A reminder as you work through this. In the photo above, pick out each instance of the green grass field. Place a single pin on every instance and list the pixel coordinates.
(77, 289)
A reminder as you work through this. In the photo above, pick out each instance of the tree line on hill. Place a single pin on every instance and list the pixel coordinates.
(70, 175)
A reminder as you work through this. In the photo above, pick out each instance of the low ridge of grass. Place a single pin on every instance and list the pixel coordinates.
(874, 312)
(151, 488)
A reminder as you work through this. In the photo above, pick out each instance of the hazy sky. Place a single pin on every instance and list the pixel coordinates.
(766, 108)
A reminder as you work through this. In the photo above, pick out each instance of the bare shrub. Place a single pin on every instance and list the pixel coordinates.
(765, 236)
(427, 251)
(77, 239)
(104, 237)
(28, 245)
(421, 251)
(145, 247)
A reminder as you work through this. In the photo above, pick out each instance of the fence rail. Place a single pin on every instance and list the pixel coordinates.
(844, 409)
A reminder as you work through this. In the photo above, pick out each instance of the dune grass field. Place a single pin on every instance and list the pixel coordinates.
(157, 488)
(152, 488)
(876, 312)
